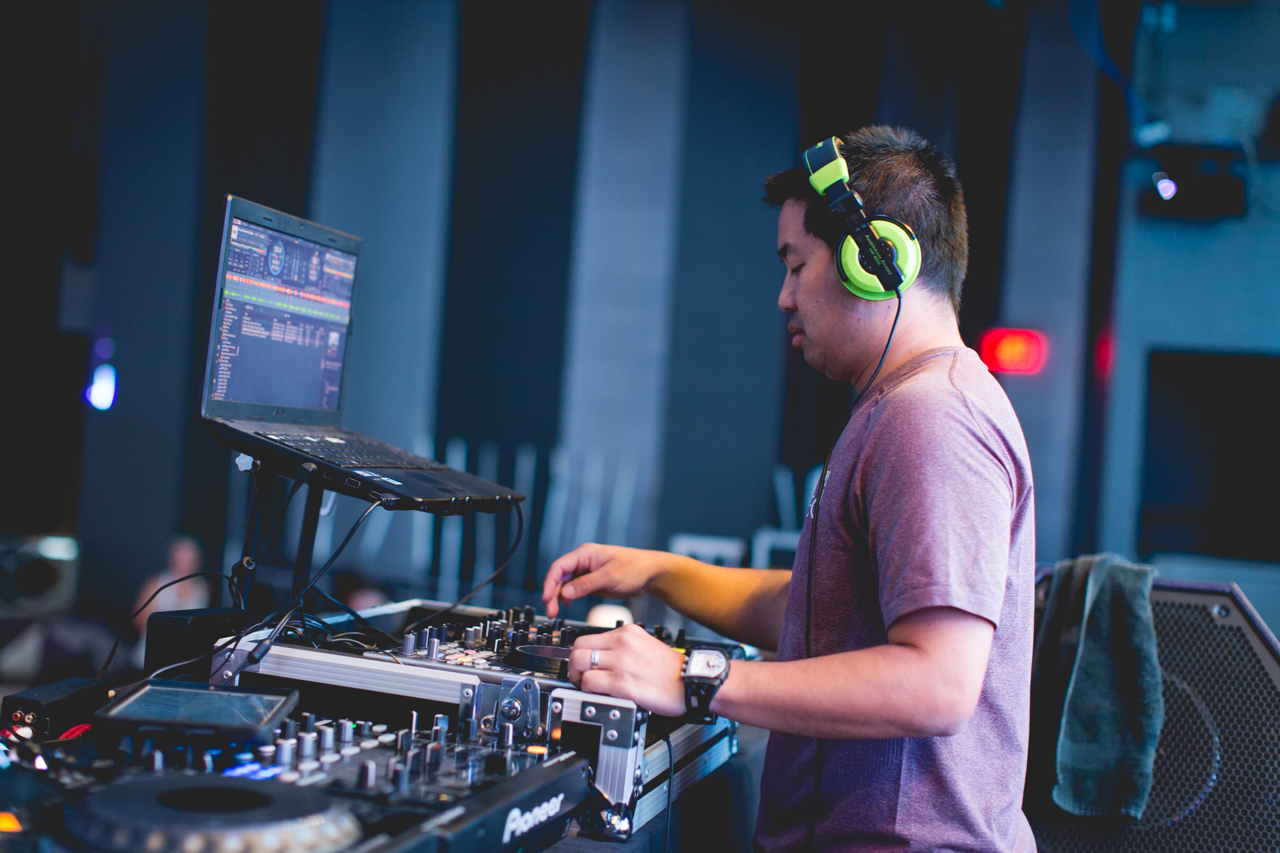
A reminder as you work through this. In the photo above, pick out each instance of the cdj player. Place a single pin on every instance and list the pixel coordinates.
(179, 767)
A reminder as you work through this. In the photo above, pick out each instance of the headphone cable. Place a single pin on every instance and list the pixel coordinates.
(813, 536)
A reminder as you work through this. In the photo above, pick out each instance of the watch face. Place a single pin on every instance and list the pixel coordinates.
(706, 663)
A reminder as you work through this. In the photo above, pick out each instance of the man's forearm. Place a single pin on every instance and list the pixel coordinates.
(925, 682)
(745, 604)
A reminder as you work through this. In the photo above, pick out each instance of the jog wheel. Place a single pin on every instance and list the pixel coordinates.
(544, 660)
(211, 814)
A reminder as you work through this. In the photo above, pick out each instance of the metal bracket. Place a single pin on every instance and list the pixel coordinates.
(225, 663)
(520, 703)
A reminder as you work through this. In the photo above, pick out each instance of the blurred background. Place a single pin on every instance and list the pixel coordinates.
(568, 281)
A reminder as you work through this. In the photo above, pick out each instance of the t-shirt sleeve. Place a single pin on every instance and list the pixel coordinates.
(937, 502)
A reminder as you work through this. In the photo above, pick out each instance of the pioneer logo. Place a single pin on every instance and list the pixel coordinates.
(518, 822)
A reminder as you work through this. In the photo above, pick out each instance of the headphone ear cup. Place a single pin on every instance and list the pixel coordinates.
(907, 257)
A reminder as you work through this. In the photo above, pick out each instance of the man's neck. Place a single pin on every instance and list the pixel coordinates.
(925, 324)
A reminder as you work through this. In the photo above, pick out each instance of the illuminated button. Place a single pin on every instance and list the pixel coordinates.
(9, 822)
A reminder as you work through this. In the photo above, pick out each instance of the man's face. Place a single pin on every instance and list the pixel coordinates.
(821, 321)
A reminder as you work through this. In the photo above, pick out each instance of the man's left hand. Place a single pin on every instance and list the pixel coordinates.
(633, 665)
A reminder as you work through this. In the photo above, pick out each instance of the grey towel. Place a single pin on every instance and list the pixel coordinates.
(1112, 710)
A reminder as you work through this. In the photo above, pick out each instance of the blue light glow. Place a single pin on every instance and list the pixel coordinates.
(102, 393)
(1167, 188)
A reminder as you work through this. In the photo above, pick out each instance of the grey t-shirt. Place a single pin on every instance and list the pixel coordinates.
(928, 503)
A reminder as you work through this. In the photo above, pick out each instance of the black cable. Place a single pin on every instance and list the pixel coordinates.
(120, 634)
(813, 538)
(475, 589)
(260, 650)
(212, 652)
(671, 783)
(354, 615)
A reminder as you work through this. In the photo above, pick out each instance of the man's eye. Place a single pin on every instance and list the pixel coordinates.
(796, 271)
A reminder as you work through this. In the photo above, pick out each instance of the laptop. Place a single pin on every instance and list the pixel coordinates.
(274, 375)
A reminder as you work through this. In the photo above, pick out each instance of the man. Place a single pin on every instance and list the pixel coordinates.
(899, 700)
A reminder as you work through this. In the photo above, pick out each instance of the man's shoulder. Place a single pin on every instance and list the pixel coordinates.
(950, 379)
(944, 398)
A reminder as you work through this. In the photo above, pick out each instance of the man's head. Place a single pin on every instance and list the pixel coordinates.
(900, 174)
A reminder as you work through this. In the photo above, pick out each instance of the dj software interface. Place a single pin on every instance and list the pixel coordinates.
(285, 309)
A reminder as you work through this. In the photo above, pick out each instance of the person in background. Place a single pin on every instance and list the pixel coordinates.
(186, 556)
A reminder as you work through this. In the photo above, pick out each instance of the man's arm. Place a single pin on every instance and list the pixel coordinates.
(924, 683)
(746, 604)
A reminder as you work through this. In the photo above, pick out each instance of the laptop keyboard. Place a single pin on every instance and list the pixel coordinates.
(351, 451)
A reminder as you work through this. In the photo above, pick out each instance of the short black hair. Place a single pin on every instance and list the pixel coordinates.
(901, 174)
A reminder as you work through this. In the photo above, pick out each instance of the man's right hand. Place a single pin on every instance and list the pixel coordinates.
(610, 571)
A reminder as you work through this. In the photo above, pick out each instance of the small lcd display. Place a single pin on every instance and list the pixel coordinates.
(182, 706)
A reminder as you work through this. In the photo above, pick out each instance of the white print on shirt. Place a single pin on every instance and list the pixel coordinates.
(814, 497)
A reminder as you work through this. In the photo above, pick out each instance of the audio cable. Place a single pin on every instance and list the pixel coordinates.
(120, 634)
(813, 537)
(260, 650)
(482, 584)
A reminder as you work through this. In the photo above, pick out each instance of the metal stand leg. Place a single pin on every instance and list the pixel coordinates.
(259, 496)
(307, 541)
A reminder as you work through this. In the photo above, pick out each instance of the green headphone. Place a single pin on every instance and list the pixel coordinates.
(878, 257)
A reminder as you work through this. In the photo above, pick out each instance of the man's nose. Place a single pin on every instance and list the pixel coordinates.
(787, 296)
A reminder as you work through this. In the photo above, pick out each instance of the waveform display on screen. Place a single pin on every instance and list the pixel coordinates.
(284, 313)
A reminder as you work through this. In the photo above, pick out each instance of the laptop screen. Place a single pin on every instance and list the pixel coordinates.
(282, 320)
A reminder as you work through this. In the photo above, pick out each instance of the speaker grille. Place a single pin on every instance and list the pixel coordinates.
(1216, 785)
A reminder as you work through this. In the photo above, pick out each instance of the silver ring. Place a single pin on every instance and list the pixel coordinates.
(595, 658)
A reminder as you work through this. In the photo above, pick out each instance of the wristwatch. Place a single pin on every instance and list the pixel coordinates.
(704, 671)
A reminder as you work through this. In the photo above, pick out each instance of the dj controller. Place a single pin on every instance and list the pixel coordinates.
(464, 735)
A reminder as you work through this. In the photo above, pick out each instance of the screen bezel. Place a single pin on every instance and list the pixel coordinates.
(109, 719)
(292, 226)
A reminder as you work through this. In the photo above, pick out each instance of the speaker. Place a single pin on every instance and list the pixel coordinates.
(1216, 784)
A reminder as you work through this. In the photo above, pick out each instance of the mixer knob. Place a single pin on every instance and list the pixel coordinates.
(403, 740)
(433, 649)
(242, 758)
(529, 613)
(207, 758)
(410, 643)
(346, 732)
(440, 721)
(435, 754)
(413, 724)
(290, 728)
(368, 776)
(155, 761)
(401, 774)
(680, 640)
(425, 634)
(439, 735)
(308, 722)
(326, 739)
(495, 642)
(267, 754)
(307, 745)
(366, 728)
(508, 735)
(286, 751)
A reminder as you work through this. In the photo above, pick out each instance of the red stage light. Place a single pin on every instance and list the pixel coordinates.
(1013, 350)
